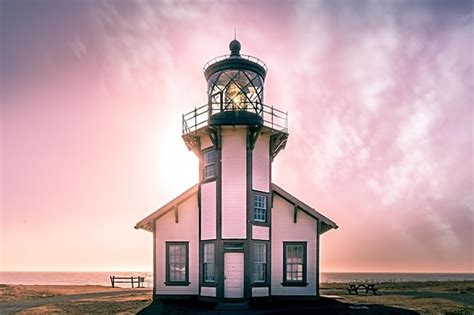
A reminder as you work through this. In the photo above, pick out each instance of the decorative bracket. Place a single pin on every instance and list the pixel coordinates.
(277, 143)
(252, 135)
(295, 214)
(214, 134)
(193, 143)
(176, 213)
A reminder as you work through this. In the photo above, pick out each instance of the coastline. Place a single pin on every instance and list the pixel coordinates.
(418, 297)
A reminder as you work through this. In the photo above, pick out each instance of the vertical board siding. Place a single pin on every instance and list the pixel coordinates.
(284, 230)
(208, 211)
(205, 142)
(187, 230)
(208, 291)
(234, 183)
(261, 164)
(260, 233)
(260, 292)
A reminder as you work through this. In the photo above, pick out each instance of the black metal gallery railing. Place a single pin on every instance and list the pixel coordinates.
(199, 116)
(224, 57)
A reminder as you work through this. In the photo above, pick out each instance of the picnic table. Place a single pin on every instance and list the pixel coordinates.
(369, 287)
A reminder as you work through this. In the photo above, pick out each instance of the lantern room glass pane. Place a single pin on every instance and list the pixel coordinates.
(235, 90)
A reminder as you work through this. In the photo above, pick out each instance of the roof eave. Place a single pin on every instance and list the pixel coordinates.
(306, 208)
(147, 223)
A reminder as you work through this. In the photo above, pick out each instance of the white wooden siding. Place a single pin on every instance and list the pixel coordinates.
(260, 292)
(187, 230)
(261, 164)
(208, 291)
(283, 229)
(260, 232)
(208, 211)
(234, 183)
(205, 142)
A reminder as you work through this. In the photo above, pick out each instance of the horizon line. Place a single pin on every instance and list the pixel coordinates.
(151, 271)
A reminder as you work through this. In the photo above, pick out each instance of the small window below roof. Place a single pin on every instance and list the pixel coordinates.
(260, 208)
(209, 164)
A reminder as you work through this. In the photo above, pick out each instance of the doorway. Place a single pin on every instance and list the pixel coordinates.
(233, 275)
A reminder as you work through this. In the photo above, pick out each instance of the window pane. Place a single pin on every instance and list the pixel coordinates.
(208, 265)
(177, 262)
(294, 262)
(260, 208)
(260, 262)
(209, 159)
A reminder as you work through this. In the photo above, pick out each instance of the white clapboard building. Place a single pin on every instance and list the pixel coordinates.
(235, 234)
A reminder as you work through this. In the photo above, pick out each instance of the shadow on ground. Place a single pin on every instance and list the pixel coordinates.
(323, 306)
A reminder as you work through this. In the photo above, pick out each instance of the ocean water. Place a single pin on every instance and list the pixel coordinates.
(71, 278)
(103, 278)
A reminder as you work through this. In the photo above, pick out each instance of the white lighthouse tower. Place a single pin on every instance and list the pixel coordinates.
(235, 136)
(235, 235)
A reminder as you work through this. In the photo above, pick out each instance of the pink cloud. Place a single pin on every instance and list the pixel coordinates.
(380, 107)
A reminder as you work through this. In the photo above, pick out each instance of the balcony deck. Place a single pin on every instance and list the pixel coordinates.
(200, 120)
(199, 117)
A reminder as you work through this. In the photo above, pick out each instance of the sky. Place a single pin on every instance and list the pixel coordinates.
(380, 102)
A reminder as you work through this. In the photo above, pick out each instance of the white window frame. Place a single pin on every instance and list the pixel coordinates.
(209, 163)
(260, 208)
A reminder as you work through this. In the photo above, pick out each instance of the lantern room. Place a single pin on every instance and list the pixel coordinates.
(235, 96)
(235, 83)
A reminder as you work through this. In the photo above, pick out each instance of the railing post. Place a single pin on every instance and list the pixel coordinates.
(182, 124)
(272, 116)
(195, 119)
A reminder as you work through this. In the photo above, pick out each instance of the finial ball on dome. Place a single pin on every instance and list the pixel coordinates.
(234, 47)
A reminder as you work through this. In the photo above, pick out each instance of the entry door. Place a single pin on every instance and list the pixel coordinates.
(233, 275)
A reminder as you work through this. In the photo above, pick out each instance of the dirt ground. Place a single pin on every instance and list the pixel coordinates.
(54, 299)
(435, 297)
(392, 298)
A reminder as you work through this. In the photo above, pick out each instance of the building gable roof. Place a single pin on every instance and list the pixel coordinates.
(147, 223)
(326, 223)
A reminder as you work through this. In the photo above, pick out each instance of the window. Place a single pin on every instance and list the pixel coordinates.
(235, 246)
(294, 268)
(209, 168)
(260, 262)
(208, 262)
(260, 208)
(176, 263)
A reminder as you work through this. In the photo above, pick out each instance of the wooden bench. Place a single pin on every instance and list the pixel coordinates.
(353, 288)
(138, 280)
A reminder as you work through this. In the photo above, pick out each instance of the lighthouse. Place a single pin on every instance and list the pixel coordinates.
(235, 235)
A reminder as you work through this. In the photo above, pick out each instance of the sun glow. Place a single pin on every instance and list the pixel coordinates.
(176, 167)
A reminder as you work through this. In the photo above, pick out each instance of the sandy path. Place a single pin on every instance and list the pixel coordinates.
(16, 306)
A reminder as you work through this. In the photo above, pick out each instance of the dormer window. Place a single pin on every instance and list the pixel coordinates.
(209, 161)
